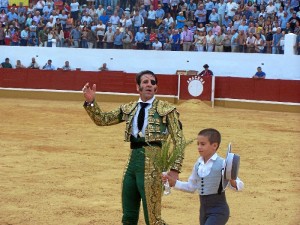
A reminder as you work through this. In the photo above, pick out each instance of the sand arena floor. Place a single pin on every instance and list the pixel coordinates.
(58, 168)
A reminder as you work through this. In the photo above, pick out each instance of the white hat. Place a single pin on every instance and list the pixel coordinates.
(232, 164)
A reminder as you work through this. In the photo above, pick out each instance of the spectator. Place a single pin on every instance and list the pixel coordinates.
(214, 17)
(157, 45)
(276, 41)
(219, 40)
(191, 9)
(103, 67)
(118, 39)
(180, 21)
(227, 41)
(206, 71)
(147, 42)
(167, 45)
(186, 38)
(4, 5)
(66, 66)
(6, 64)
(92, 38)
(259, 74)
(127, 38)
(250, 43)
(75, 36)
(109, 38)
(175, 41)
(259, 44)
(74, 9)
(24, 36)
(33, 64)
(140, 38)
(210, 41)
(48, 65)
(19, 65)
(200, 14)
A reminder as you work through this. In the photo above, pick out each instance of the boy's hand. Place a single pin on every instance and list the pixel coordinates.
(233, 183)
(172, 180)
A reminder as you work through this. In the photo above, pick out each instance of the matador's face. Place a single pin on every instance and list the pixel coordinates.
(147, 88)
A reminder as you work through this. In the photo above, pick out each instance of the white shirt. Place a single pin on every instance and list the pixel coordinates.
(203, 171)
(157, 46)
(101, 32)
(231, 6)
(135, 129)
(74, 6)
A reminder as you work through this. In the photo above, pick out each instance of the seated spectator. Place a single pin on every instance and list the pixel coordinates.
(48, 65)
(157, 45)
(33, 64)
(206, 71)
(66, 66)
(19, 65)
(103, 67)
(6, 64)
(259, 74)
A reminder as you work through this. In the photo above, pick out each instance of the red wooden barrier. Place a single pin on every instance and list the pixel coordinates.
(118, 81)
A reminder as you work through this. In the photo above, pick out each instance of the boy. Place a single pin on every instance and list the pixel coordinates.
(207, 177)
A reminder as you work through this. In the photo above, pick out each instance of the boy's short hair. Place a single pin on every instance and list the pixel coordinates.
(212, 134)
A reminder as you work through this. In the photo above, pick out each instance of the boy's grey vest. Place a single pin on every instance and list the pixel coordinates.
(210, 184)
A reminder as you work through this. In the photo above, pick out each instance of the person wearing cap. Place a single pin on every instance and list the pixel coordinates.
(206, 71)
(149, 122)
(209, 179)
(180, 20)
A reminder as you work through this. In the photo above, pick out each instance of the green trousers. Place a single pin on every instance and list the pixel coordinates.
(141, 182)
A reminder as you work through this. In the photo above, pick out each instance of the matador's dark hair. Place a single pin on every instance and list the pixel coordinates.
(140, 74)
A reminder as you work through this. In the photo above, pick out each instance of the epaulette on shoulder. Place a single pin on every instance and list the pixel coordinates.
(164, 107)
(129, 107)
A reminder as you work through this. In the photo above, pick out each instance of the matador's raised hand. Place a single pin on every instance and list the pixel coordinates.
(88, 93)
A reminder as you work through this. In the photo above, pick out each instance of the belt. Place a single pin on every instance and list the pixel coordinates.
(134, 145)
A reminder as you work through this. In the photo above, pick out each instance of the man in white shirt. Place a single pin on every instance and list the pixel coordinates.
(157, 45)
(100, 31)
(231, 9)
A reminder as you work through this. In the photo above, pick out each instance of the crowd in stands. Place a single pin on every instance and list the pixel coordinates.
(175, 25)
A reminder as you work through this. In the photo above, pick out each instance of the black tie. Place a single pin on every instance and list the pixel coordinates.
(141, 116)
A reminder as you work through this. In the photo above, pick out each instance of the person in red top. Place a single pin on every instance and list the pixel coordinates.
(206, 71)
(68, 41)
(15, 38)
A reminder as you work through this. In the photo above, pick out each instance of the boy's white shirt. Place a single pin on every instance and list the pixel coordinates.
(203, 170)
